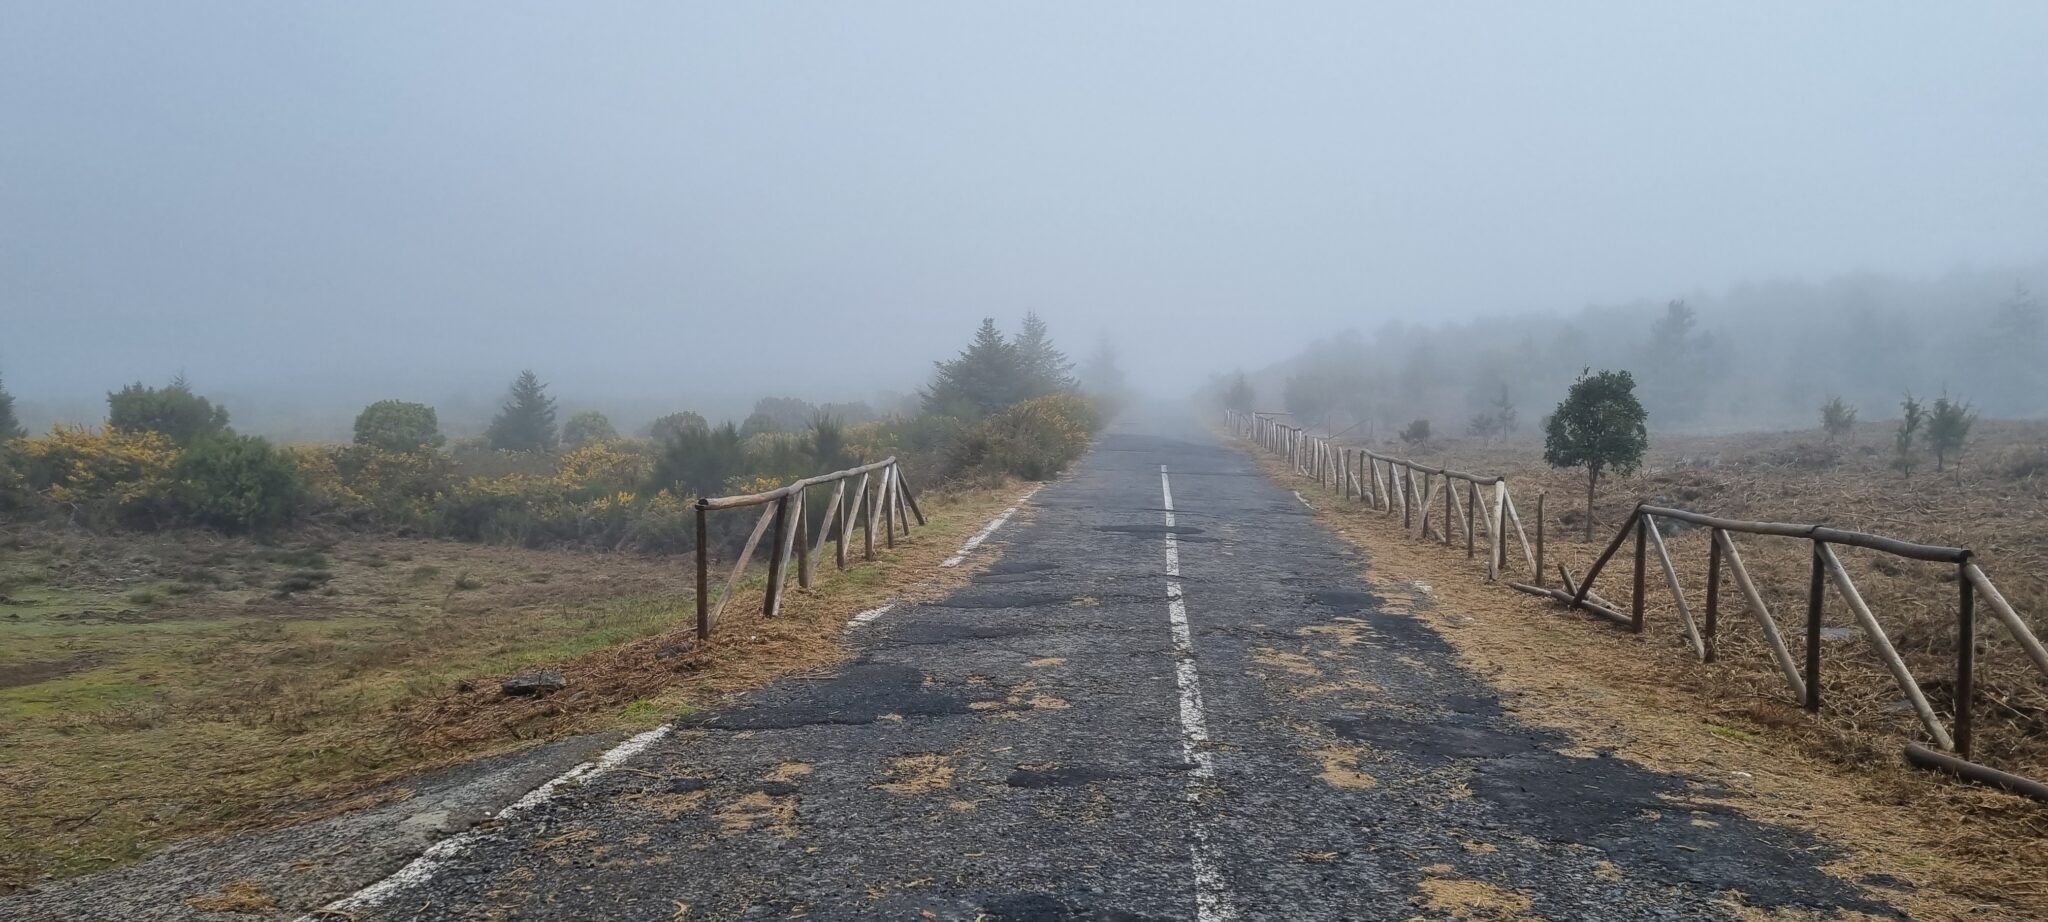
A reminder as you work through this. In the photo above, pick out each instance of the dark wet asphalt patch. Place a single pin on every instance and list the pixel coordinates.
(861, 694)
(1434, 742)
(1181, 531)
(1045, 907)
(1013, 567)
(1345, 601)
(1004, 598)
(1064, 777)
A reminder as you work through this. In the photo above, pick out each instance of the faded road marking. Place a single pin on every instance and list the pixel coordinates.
(988, 530)
(1212, 896)
(422, 869)
(1304, 500)
(869, 615)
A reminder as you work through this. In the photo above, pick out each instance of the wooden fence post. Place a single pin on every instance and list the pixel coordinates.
(1966, 657)
(803, 539)
(1713, 591)
(778, 559)
(1635, 619)
(703, 573)
(1539, 539)
(1815, 599)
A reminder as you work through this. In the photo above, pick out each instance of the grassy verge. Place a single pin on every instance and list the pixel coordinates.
(1934, 847)
(154, 688)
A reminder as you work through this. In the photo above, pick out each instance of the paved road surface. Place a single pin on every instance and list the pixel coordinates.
(1173, 697)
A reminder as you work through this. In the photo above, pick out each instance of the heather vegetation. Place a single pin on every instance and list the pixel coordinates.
(167, 457)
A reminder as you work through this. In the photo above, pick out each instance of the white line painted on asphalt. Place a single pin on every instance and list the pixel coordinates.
(989, 529)
(423, 868)
(1212, 896)
(869, 615)
(1304, 500)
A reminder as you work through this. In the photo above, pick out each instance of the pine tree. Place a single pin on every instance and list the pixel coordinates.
(527, 422)
(987, 376)
(1046, 368)
(10, 427)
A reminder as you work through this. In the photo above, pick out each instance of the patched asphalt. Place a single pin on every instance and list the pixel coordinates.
(1014, 752)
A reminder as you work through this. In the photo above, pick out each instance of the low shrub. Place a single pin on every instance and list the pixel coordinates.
(1034, 439)
(237, 484)
(107, 477)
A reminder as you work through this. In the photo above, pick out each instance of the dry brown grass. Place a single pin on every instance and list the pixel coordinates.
(221, 704)
(1968, 850)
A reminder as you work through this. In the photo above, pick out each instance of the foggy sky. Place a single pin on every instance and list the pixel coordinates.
(688, 206)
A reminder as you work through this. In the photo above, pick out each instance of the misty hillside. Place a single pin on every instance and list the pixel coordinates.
(1762, 355)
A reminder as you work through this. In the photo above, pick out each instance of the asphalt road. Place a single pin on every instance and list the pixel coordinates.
(1172, 697)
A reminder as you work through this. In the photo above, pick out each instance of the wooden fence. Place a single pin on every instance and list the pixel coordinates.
(1391, 485)
(1359, 471)
(1803, 679)
(880, 488)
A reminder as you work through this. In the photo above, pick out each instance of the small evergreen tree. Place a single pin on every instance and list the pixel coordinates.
(1417, 434)
(1948, 427)
(1599, 426)
(1498, 420)
(527, 421)
(10, 427)
(174, 411)
(1837, 417)
(1102, 377)
(399, 426)
(1911, 413)
(1046, 369)
(987, 376)
(587, 427)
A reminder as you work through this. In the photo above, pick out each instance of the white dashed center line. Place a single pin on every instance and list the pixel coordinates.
(1212, 897)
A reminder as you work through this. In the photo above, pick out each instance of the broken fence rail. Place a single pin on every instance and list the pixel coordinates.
(880, 488)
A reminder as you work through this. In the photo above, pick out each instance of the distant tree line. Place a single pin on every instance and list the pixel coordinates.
(167, 456)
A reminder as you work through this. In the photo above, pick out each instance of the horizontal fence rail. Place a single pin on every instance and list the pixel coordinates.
(879, 490)
(1392, 485)
(1802, 675)
(1360, 472)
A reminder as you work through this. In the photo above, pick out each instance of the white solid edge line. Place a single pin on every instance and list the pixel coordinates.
(1212, 895)
(1304, 499)
(423, 868)
(989, 529)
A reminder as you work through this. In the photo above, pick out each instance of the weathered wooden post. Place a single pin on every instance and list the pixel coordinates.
(1713, 591)
(1816, 598)
(867, 518)
(778, 559)
(802, 541)
(1471, 519)
(1635, 614)
(1966, 656)
(1539, 539)
(703, 572)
